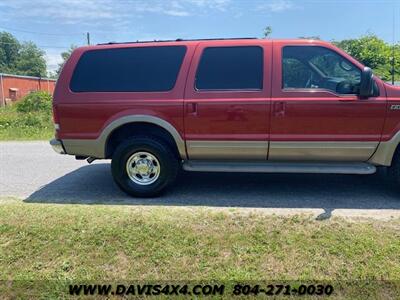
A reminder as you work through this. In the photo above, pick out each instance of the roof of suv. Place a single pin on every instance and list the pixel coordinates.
(180, 40)
(211, 41)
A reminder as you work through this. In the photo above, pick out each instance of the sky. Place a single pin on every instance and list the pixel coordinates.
(55, 25)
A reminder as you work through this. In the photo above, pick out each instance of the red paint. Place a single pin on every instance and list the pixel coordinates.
(322, 115)
(269, 114)
(392, 122)
(85, 115)
(228, 115)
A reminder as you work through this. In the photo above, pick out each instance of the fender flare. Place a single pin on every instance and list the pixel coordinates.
(97, 147)
(108, 130)
(383, 155)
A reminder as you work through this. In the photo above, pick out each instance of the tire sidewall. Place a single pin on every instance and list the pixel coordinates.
(167, 161)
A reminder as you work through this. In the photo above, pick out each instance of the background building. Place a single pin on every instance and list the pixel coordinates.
(14, 87)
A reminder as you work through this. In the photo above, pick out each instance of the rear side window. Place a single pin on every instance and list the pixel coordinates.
(139, 69)
(230, 68)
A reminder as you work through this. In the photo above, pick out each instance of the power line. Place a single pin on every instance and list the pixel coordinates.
(41, 46)
(44, 33)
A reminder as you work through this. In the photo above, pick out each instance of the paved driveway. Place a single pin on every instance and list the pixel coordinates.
(32, 171)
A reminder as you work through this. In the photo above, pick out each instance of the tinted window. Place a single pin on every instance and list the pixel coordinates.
(295, 73)
(139, 69)
(230, 68)
(313, 67)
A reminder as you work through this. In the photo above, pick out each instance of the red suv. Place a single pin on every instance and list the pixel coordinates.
(236, 105)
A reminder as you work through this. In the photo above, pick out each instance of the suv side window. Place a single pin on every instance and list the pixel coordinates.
(134, 69)
(315, 67)
(230, 68)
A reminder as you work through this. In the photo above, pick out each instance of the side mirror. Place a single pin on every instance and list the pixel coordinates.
(367, 83)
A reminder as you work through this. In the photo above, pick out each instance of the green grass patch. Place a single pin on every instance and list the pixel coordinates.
(103, 243)
(29, 119)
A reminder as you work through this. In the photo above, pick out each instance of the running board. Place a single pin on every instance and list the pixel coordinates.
(280, 167)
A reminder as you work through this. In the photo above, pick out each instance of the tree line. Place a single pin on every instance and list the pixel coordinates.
(26, 58)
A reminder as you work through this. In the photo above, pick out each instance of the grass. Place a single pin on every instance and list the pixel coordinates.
(15, 125)
(101, 243)
(29, 119)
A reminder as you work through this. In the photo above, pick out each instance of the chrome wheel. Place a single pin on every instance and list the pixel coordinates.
(143, 168)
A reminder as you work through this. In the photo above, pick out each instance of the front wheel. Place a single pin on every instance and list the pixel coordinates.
(394, 170)
(144, 167)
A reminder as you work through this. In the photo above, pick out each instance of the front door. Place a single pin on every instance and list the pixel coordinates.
(316, 113)
(227, 101)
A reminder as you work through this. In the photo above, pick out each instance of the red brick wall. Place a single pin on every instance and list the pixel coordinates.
(18, 87)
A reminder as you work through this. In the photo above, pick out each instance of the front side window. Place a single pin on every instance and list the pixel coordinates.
(314, 67)
(136, 69)
(230, 68)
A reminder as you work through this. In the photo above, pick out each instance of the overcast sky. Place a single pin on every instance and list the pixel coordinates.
(56, 24)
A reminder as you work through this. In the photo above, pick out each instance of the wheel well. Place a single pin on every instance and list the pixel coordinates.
(125, 131)
(396, 154)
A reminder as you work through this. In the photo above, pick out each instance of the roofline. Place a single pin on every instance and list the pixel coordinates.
(184, 41)
(178, 40)
(26, 77)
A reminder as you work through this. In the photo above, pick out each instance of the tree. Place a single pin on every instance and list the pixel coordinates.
(9, 48)
(65, 56)
(21, 58)
(31, 61)
(267, 32)
(374, 53)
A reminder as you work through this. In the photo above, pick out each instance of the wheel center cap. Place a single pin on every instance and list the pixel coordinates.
(142, 167)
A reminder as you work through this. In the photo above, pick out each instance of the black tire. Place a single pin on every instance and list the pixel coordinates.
(394, 169)
(168, 165)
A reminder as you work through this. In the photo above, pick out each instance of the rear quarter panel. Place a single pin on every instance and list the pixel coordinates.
(84, 115)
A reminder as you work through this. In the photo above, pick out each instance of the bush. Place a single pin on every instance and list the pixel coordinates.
(30, 119)
(35, 101)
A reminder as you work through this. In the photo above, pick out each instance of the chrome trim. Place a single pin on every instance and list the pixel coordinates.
(227, 149)
(322, 151)
(143, 168)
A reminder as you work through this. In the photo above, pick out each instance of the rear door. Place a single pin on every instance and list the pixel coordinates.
(227, 101)
(317, 114)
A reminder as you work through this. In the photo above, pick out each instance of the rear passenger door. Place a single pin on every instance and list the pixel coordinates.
(227, 101)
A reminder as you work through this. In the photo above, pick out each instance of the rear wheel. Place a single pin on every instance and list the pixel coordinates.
(144, 167)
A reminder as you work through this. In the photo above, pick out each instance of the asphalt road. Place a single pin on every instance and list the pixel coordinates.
(33, 172)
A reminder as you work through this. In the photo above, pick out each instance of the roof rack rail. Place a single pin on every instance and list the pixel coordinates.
(178, 40)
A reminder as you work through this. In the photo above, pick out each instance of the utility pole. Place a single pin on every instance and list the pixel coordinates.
(394, 37)
(88, 38)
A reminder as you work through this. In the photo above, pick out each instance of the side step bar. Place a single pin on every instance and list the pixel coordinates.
(280, 167)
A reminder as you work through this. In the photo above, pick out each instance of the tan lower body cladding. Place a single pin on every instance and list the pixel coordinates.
(373, 152)
(227, 150)
(281, 151)
(322, 151)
